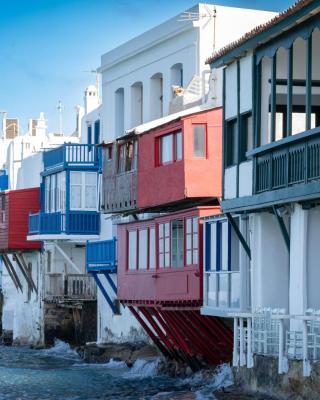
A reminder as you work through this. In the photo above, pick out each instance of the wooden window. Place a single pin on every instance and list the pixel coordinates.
(97, 132)
(192, 241)
(231, 142)
(164, 245)
(246, 135)
(152, 248)
(127, 156)
(170, 148)
(177, 244)
(89, 134)
(83, 190)
(132, 250)
(143, 249)
(199, 141)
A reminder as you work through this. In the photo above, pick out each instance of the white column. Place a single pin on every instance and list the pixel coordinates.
(249, 343)
(235, 358)
(298, 265)
(242, 344)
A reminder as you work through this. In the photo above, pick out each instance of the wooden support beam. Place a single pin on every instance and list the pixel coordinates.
(12, 273)
(239, 234)
(289, 91)
(65, 256)
(273, 97)
(283, 228)
(25, 271)
(308, 82)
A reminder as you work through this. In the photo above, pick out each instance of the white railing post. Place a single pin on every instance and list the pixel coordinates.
(235, 357)
(306, 362)
(249, 343)
(242, 355)
(281, 347)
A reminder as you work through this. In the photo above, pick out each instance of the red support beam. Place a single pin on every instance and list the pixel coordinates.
(149, 332)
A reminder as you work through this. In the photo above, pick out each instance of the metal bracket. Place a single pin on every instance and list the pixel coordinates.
(239, 234)
(283, 228)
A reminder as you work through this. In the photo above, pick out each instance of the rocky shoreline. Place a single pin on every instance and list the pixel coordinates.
(131, 352)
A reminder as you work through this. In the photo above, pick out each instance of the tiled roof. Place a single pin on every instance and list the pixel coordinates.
(259, 29)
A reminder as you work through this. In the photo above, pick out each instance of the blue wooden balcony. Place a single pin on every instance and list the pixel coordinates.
(72, 156)
(70, 223)
(4, 183)
(101, 256)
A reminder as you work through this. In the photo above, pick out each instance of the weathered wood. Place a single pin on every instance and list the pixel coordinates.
(25, 271)
(12, 273)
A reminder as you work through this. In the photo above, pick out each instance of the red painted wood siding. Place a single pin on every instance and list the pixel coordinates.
(160, 284)
(14, 231)
(159, 185)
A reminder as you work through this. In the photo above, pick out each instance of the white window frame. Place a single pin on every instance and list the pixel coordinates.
(83, 191)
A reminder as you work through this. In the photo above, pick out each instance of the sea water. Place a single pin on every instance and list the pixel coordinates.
(59, 373)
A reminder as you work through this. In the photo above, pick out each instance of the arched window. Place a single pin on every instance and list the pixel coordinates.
(136, 104)
(156, 96)
(119, 111)
(177, 75)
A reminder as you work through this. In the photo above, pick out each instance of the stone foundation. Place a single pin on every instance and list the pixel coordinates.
(263, 378)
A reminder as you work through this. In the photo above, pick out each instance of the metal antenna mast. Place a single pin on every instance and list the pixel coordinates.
(194, 16)
(60, 109)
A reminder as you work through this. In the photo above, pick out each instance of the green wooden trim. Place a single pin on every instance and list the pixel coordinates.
(296, 193)
(239, 128)
(266, 36)
(239, 234)
(308, 82)
(284, 142)
(283, 228)
(273, 97)
(289, 92)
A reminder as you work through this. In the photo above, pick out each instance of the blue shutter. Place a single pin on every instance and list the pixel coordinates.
(97, 132)
(42, 196)
(89, 134)
(208, 246)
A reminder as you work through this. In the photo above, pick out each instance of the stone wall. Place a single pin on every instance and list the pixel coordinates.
(264, 379)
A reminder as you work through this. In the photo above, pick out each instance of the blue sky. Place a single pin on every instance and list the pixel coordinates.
(47, 45)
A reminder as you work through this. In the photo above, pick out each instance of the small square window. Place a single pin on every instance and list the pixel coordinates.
(231, 143)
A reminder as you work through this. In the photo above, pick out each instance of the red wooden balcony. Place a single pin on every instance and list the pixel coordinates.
(15, 206)
(160, 168)
(160, 260)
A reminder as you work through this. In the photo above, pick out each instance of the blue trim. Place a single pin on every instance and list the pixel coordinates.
(97, 132)
(80, 157)
(4, 181)
(89, 134)
(101, 256)
(111, 283)
(208, 227)
(104, 292)
(218, 244)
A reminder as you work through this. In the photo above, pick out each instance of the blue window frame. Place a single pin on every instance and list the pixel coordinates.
(89, 134)
(97, 132)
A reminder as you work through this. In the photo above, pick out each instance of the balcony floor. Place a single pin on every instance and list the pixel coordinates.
(63, 236)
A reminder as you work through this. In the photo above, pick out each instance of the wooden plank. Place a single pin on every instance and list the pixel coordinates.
(12, 272)
(25, 271)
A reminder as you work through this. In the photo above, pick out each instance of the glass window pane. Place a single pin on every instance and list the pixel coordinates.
(195, 241)
(195, 225)
(75, 197)
(235, 290)
(189, 222)
(166, 149)
(90, 197)
(91, 178)
(195, 257)
(167, 260)
(161, 245)
(199, 141)
(178, 137)
(177, 243)
(224, 245)
(143, 254)
(132, 250)
(161, 260)
(167, 245)
(189, 242)
(223, 293)
(160, 230)
(189, 257)
(152, 248)
(212, 290)
(166, 229)
(75, 178)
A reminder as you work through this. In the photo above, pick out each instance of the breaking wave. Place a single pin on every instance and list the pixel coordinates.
(60, 349)
(143, 369)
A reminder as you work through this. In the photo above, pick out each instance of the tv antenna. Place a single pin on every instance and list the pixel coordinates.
(60, 108)
(195, 16)
(95, 71)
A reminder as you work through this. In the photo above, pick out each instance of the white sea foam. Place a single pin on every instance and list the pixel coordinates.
(143, 369)
(60, 349)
